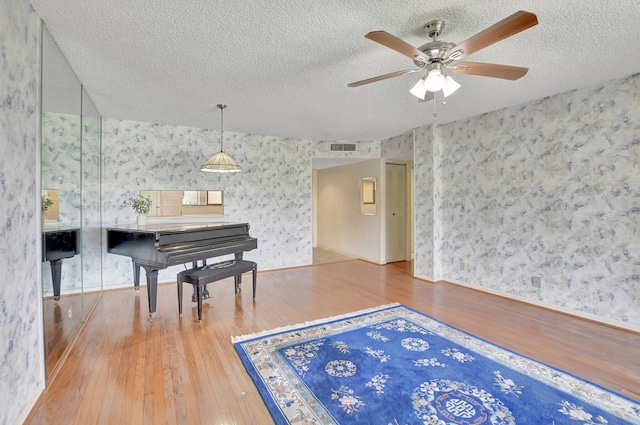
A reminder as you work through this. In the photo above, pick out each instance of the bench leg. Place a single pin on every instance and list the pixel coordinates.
(205, 294)
(236, 283)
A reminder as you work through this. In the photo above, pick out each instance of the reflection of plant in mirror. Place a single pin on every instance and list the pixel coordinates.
(140, 204)
(46, 203)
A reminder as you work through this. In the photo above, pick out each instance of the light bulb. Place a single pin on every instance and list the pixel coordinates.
(435, 80)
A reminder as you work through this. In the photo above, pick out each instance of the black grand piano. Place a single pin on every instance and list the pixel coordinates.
(58, 244)
(156, 247)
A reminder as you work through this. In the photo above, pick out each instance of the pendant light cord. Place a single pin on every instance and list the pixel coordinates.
(221, 106)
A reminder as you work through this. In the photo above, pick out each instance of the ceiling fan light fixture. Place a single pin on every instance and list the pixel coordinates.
(221, 162)
(450, 86)
(435, 80)
(419, 90)
(437, 55)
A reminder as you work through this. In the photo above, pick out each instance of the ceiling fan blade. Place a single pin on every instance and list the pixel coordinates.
(427, 97)
(512, 25)
(505, 72)
(382, 77)
(393, 42)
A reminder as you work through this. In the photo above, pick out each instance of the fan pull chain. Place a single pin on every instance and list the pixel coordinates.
(435, 114)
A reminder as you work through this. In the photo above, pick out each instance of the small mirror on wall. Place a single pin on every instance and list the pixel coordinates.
(369, 190)
(50, 205)
(176, 203)
(368, 196)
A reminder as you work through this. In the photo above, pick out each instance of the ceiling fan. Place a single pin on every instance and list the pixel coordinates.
(436, 56)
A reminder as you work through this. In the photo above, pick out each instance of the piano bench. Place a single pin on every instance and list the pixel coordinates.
(200, 276)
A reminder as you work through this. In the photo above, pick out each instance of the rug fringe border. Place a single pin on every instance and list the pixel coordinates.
(246, 337)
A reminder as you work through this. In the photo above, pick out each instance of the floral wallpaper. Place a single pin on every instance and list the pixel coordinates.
(424, 220)
(21, 365)
(399, 146)
(549, 189)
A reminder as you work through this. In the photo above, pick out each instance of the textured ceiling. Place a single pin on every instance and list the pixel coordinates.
(282, 67)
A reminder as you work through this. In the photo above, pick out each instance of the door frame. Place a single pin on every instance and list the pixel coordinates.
(409, 219)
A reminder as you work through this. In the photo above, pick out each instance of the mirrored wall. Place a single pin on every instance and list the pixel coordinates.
(70, 200)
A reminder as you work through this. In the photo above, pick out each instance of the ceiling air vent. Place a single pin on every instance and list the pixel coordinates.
(346, 147)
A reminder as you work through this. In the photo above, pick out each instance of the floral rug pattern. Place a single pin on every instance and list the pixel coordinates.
(394, 366)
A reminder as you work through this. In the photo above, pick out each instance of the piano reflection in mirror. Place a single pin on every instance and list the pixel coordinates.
(58, 244)
(158, 246)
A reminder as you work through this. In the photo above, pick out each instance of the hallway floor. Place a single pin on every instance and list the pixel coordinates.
(324, 256)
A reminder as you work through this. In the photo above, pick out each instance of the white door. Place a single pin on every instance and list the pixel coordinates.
(395, 207)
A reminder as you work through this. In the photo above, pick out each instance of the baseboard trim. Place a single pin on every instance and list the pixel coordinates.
(581, 314)
(26, 411)
(427, 278)
(143, 280)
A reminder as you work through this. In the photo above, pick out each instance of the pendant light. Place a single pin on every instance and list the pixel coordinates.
(221, 162)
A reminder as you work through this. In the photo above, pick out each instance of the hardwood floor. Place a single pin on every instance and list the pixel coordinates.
(124, 369)
(62, 321)
(324, 256)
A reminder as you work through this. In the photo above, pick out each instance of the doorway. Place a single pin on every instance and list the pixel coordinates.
(395, 212)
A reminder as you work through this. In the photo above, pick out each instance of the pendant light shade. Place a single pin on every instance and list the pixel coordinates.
(221, 162)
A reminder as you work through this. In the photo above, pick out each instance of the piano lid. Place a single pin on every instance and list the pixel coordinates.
(172, 227)
(60, 230)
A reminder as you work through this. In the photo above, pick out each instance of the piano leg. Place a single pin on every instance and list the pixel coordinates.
(198, 289)
(152, 289)
(238, 279)
(179, 295)
(56, 275)
(136, 276)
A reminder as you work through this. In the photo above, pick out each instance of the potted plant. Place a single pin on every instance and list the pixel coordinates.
(141, 205)
(46, 203)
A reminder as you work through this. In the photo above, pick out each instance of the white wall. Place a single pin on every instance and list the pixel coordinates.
(22, 351)
(341, 226)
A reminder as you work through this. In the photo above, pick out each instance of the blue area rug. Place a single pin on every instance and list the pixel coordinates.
(394, 366)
